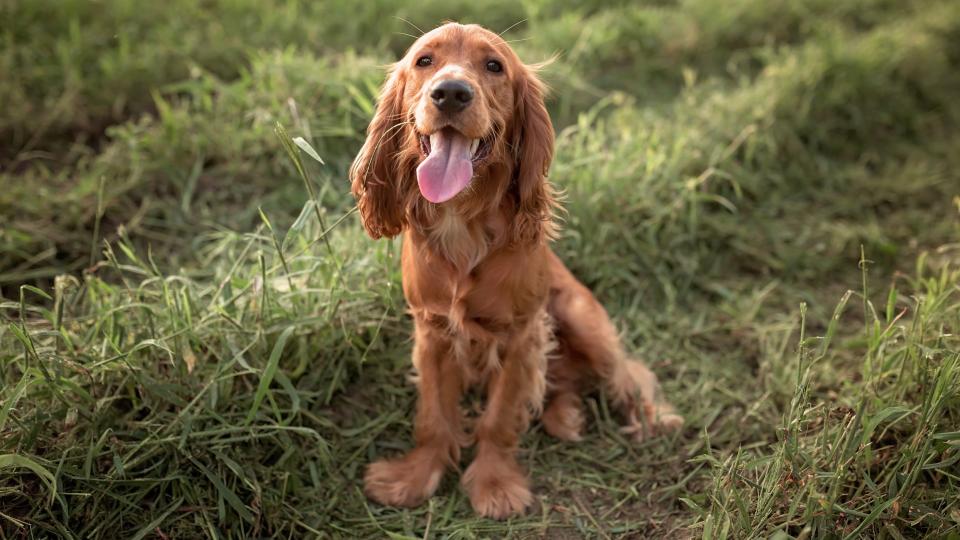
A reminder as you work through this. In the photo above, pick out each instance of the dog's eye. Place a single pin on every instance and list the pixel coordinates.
(494, 66)
(424, 61)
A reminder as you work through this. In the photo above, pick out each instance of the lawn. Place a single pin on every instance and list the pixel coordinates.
(198, 340)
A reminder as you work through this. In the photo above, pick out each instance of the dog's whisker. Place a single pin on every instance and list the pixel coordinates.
(512, 26)
(395, 129)
(417, 28)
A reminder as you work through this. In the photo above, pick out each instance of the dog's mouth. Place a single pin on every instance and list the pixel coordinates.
(479, 148)
(449, 161)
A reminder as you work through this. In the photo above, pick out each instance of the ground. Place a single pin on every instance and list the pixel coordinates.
(198, 340)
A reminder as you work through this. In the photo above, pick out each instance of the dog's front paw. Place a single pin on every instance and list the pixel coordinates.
(497, 488)
(406, 481)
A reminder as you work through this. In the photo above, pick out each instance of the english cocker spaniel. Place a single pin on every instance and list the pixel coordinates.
(456, 160)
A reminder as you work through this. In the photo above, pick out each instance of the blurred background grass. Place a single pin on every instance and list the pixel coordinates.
(188, 352)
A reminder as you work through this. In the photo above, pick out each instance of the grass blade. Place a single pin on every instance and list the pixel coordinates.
(268, 373)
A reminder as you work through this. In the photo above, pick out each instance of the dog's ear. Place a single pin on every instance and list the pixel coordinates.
(375, 176)
(533, 152)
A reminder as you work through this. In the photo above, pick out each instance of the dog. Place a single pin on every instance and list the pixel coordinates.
(456, 160)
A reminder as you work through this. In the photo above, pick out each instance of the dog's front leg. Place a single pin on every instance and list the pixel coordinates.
(495, 482)
(409, 480)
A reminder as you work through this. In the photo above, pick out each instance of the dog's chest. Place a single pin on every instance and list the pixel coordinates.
(463, 244)
(463, 274)
(481, 297)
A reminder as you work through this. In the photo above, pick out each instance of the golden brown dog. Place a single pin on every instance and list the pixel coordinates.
(456, 159)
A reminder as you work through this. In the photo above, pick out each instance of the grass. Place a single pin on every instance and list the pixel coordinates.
(764, 194)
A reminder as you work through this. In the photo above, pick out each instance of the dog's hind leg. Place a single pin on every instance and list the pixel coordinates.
(563, 414)
(590, 346)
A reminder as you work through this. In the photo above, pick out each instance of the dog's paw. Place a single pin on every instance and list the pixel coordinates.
(497, 489)
(563, 418)
(404, 482)
(659, 421)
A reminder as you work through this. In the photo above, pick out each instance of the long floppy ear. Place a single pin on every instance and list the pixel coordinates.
(375, 177)
(533, 149)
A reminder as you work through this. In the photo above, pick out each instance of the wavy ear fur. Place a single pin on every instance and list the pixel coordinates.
(533, 149)
(374, 175)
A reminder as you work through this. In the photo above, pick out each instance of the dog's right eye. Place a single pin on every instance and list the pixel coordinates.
(424, 61)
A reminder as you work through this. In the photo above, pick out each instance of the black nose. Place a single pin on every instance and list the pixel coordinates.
(451, 96)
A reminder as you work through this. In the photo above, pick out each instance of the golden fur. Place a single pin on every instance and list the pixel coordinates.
(492, 305)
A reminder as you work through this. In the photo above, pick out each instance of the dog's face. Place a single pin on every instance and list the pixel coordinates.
(461, 90)
(459, 106)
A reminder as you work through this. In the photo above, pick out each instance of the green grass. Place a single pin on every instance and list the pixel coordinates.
(764, 194)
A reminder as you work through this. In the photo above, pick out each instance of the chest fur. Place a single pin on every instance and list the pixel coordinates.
(457, 271)
(463, 244)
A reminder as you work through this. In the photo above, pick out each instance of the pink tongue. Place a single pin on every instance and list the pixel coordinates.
(448, 169)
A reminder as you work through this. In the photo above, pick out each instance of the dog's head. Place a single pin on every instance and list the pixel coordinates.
(460, 121)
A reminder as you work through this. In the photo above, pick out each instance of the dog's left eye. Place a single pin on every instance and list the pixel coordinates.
(494, 66)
